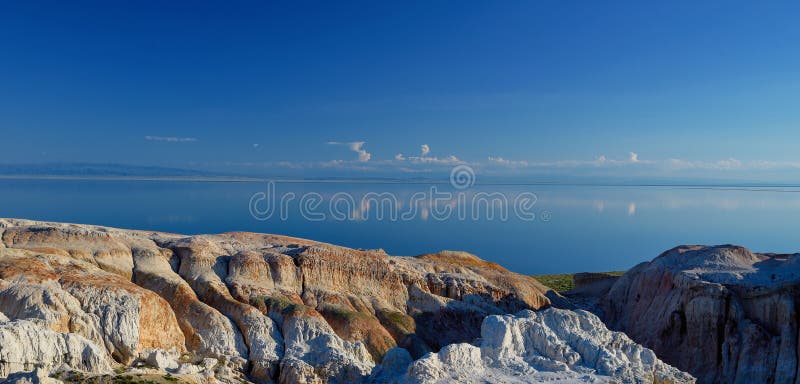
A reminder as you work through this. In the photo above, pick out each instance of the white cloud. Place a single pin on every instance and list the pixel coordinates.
(629, 165)
(357, 147)
(726, 164)
(452, 159)
(507, 162)
(764, 164)
(435, 160)
(332, 163)
(729, 163)
(170, 139)
(425, 149)
(289, 164)
(363, 155)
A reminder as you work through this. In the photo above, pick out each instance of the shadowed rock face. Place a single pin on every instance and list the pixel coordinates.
(723, 313)
(277, 308)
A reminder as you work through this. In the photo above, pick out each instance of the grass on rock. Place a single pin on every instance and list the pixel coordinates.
(564, 281)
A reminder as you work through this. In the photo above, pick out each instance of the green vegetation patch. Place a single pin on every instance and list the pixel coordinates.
(340, 313)
(565, 281)
(277, 304)
(558, 282)
(397, 323)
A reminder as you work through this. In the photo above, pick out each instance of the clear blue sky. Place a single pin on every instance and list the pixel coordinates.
(709, 88)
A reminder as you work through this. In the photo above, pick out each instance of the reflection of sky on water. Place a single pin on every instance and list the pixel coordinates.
(589, 228)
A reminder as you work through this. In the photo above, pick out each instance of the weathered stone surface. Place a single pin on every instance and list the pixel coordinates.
(549, 345)
(724, 314)
(74, 296)
(161, 359)
(262, 307)
(37, 376)
(310, 342)
(26, 344)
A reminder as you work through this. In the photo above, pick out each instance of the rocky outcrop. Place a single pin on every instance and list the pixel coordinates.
(550, 345)
(724, 314)
(72, 296)
(312, 347)
(83, 301)
(37, 376)
(271, 307)
(26, 344)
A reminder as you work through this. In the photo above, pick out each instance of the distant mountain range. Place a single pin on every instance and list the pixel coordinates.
(94, 169)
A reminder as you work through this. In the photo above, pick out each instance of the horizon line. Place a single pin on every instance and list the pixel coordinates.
(745, 186)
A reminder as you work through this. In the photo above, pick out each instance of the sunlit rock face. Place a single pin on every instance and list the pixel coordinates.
(553, 345)
(29, 344)
(72, 296)
(265, 308)
(724, 314)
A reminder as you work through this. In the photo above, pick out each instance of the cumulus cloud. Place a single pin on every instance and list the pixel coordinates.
(170, 139)
(634, 157)
(363, 155)
(425, 149)
(357, 147)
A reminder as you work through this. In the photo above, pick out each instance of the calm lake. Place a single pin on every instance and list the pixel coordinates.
(529, 229)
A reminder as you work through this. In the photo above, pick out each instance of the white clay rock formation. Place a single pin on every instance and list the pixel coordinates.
(553, 345)
(234, 307)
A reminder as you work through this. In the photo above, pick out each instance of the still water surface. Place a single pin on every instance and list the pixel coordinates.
(564, 229)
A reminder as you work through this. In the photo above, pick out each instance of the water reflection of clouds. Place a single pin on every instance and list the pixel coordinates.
(622, 201)
(631, 209)
(600, 206)
(720, 202)
(421, 203)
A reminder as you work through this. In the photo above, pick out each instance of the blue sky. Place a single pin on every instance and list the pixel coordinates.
(607, 89)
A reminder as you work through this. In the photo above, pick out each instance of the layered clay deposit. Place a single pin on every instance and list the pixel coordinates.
(79, 300)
